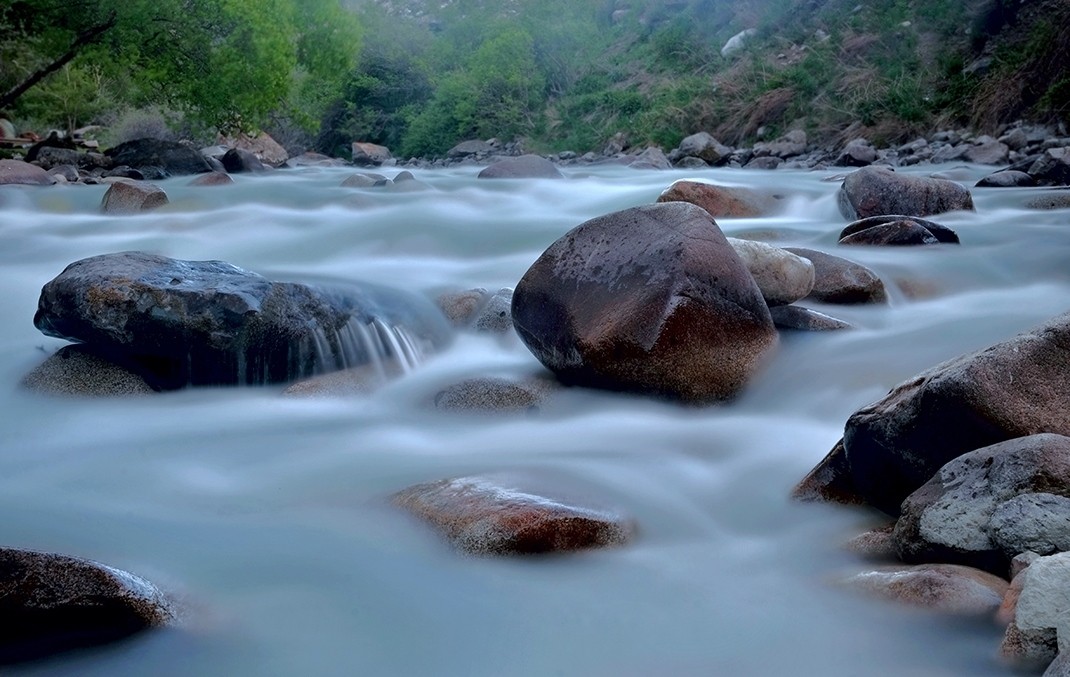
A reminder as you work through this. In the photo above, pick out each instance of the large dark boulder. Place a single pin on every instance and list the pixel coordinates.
(897, 229)
(877, 191)
(238, 160)
(960, 515)
(208, 322)
(498, 516)
(1052, 168)
(172, 157)
(521, 167)
(54, 603)
(650, 299)
(1012, 389)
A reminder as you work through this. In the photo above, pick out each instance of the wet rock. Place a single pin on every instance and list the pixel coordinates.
(830, 481)
(23, 173)
(1053, 200)
(704, 147)
(723, 201)
(488, 395)
(354, 382)
(987, 151)
(79, 371)
(238, 160)
(690, 163)
(263, 147)
(212, 179)
(522, 167)
(961, 514)
(797, 318)
(651, 158)
(365, 180)
(132, 197)
(857, 153)
(208, 322)
(1009, 390)
(944, 588)
(370, 154)
(406, 182)
(878, 191)
(1008, 178)
(782, 277)
(469, 148)
(496, 314)
(1052, 168)
(838, 280)
(460, 308)
(48, 157)
(54, 603)
(650, 299)
(171, 158)
(1060, 667)
(897, 230)
(876, 545)
(493, 516)
(1041, 624)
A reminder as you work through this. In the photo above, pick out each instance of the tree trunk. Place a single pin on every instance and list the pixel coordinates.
(86, 37)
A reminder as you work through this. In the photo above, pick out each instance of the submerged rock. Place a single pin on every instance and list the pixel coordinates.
(55, 603)
(211, 323)
(797, 318)
(1011, 389)
(491, 516)
(878, 191)
(944, 588)
(650, 299)
(522, 167)
(486, 395)
(78, 371)
(1006, 179)
(212, 179)
(722, 201)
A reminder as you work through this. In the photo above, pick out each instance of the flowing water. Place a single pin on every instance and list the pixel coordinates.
(266, 514)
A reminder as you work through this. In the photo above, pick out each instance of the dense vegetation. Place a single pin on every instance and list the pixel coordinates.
(419, 76)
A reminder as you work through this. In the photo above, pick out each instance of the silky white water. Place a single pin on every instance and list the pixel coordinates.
(267, 516)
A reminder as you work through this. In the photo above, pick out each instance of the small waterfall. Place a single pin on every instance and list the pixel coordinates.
(376, 343)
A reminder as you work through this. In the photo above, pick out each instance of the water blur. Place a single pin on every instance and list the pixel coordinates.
(266, 514)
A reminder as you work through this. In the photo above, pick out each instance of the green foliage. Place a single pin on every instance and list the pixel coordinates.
(73, 95)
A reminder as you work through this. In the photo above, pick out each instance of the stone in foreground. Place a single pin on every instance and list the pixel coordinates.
(1012, 389)
(782, 277)
(490, 516)
(651, 299)
(944, 588)
(877, 191)
(1041, 624)
(54, 603)
(211, 323)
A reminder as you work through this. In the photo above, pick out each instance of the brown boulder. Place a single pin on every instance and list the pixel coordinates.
(1014, 388)
(212, 179)
(18, 172)
(132, 197)
(370, 154)
(55, 603)
(837, 280)
(79, 371)
(895, 229)
(650, 299)
(877, 191)
(944, 588)
(723, 201)
(491, 516)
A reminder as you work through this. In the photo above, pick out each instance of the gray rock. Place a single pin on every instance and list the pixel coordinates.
(54, 603)
(1060, 667)
(1015, 139)
(797, 318)
(370, 154)
(765, 162)
(650, 299)
(690, 163)
(132, 197)
(79, 371)
(837, 280)
(239, 160)
(496, 314)
(522, 167)
(469, 148)
(49, 157)
(1007, 178)
(651, 158)
(1038, 523)
(791, 144)
(68, 172)
(1052, 168)
(879, 191)
(171, 158)
(987, 151)
(495, 395)
(723, 201)
(23, 173)
(857, 153)
(365, 180)
(124, 172)
(208, 322)
(212, 179)
(1011, 389)
(1041, 626)
(943, 588)
(704, 147)
(951, 517)
(1050, 200)
(498, 516)
(782, 277)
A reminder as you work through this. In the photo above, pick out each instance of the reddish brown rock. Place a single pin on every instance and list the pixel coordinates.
(875, 544)
(838, 280)
(877, 191)
(897, 230)
(54, 603)
(132, 197)
(212, 179)
(722, 201)
(830, 481)
(489, 516)
(944, 588)
(18, 172)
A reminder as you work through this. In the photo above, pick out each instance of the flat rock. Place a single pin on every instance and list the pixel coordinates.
(878, 191)
(955, 516)
(23, 173)
(54, 603)
(493, 516)
(78, 371)
(132, 197)
(944, 588)
(1009, 390)
(838, 280)
(211, 323)
(723, 201)
(522, 167)
(1048, 201)
(651, 299)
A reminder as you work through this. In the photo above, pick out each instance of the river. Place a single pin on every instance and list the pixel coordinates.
(266, 515)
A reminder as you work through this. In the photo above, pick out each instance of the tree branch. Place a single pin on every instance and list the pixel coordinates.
(86, 37)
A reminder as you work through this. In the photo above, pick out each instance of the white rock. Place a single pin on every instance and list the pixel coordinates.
(782, 277)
